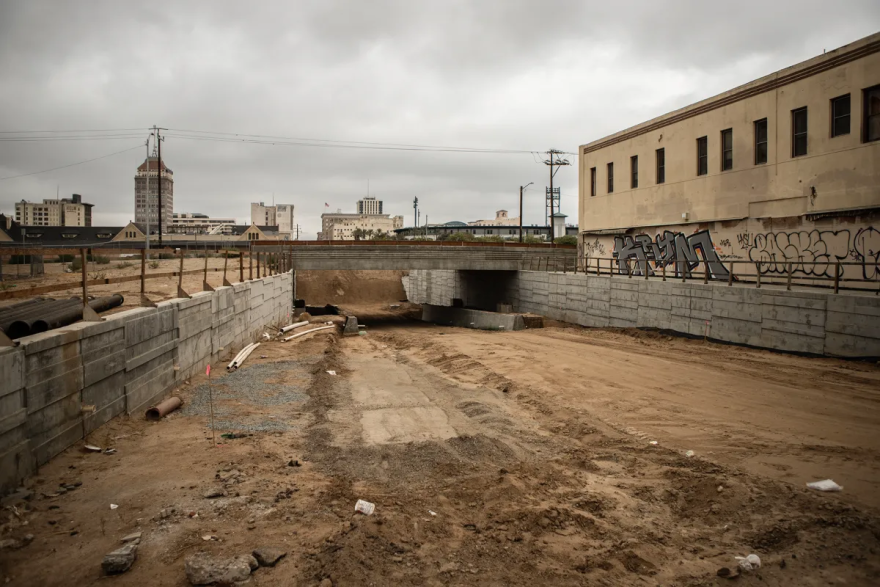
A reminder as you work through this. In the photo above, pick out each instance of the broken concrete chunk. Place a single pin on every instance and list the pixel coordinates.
(214, 492)
(132, 537)
(268, 556)
(204, 569)
(120, 560)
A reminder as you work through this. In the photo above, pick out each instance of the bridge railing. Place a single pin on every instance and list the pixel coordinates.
(836, 275)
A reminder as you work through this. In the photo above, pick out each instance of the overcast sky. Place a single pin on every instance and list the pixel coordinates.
(487, 74)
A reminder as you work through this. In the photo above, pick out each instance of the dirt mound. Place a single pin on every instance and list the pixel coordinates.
(349, 287)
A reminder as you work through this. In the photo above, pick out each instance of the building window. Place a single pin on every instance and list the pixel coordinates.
(727, 149)
(592, 181)
(634, 171)
(872, 114)
(840, 116)
(661, 165)
(799, 132)
(610, 178)
(760, 141)
(702, 155)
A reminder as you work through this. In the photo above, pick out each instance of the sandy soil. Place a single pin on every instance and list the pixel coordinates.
(157, 289)
(347, 287)
(492, 458)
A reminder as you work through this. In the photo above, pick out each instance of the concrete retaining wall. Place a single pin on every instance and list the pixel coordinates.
(59, 386)
(801, 320)
(469, 318)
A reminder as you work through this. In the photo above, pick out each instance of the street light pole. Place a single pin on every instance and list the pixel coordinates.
(521, 188)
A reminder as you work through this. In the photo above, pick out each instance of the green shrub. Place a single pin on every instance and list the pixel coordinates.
(166, 255)
(154, 264)
(100, 260)
(65, 258)
(568, 239)
(123, 265)
(458, 237)
(76, 264)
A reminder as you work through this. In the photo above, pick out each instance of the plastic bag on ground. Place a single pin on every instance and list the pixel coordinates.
(825, 485)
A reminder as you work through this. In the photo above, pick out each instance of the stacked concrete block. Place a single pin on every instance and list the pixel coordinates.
(242, 335)
(794, 321)
(16, 460)
(150, 354)
(737, 313)
(852, 326)
(623, 303)
(222, 321)
(597, 308)
(194, 334)
(690, 309)
(102, 348)
(53, 392)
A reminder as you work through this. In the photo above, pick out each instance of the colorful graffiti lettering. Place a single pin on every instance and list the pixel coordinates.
(683, 252)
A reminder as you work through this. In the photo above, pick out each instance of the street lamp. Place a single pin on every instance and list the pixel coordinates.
(521, 188)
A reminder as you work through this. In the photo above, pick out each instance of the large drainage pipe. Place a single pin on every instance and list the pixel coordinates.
(163, 408)
(56, 317)
(20, 324)
(70, 315)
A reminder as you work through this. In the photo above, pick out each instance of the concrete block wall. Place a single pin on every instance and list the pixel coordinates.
(806, 321)
(57, 387)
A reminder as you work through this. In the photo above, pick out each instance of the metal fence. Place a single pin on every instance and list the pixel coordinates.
(757, 273)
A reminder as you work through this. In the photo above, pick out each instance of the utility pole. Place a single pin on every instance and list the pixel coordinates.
(415, 214)
(554, 160)
(521, 188)
(147, 198)
(159, 140)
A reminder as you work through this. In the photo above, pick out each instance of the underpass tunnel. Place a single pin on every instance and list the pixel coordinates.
(484, 290)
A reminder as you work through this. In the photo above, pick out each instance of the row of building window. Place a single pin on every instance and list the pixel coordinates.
(840, 125)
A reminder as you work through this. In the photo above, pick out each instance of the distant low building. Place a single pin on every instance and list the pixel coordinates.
(136, 231)
(59, 236)
(197, 223)
(507, 232)
(54, 212)
(501, 219)
(280, 215)
(364, 225)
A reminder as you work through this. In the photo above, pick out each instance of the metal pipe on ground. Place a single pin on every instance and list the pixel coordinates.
(71, 315)
(164, 408)
(33, 307)
(23, 323)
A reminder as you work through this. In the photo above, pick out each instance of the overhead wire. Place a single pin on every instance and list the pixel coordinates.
(140, 146)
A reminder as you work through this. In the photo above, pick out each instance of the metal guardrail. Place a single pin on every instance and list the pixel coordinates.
(717, 271)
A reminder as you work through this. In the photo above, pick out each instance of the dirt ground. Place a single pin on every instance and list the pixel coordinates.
(349, 287)
(493, 458)
(156, 289)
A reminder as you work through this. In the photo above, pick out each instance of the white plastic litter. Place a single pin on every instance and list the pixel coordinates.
(331, 372)
(653, 443)
(92, 448)
(432, 513)
(113, 506)
(365, 507)
(689, 453)
(825, 485)
(748, 563)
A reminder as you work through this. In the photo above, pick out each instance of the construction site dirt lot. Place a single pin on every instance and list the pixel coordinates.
(158, 289)
(521, 458)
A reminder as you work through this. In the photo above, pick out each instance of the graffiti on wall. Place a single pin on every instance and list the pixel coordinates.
(675, 250)
(813, 253)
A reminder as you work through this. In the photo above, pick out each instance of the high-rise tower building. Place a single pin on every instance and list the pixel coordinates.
(146, 206)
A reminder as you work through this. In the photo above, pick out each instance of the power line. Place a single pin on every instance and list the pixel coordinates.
(334, 141)
(70, 138)
(21, 132)
(71, 164)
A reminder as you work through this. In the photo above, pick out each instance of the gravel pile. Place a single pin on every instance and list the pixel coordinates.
(254, 386)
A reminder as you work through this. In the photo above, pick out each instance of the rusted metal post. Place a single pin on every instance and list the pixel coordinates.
(240, 267)
(683, 271)
(664, 271)
(206, 267)
(85, 276)
(646, 269)
(250, 264)
(180, 273)
(705, 271)
(836, 277)
(629, 270)
(730, 275)
(143, 271)
(788, 283)
(758, 274)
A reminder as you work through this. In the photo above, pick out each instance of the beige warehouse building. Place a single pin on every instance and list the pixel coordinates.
(785, 169)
